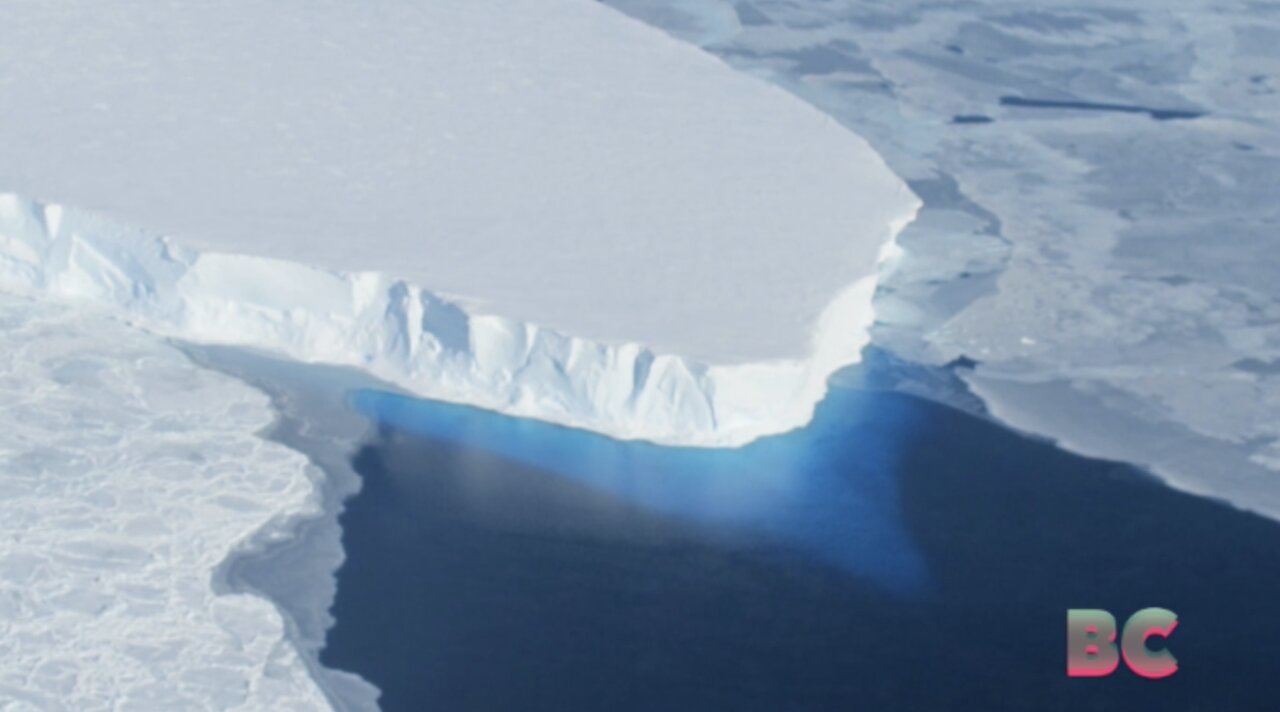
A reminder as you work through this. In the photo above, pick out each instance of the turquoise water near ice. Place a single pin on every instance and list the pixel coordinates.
(894, 555)
(828, 489)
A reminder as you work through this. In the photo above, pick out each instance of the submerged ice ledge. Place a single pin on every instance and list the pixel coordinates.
(420, 341)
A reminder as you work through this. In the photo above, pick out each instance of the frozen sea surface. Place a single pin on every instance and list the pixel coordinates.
(1101, 217)
(127, 477)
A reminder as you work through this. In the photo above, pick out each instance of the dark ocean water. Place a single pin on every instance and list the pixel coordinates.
(893, 555)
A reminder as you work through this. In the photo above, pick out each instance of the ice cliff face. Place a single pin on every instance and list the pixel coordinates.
(409, 336)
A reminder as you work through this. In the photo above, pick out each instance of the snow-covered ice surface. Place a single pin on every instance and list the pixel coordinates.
(127, 477)
(547, 208)
(1101, 213)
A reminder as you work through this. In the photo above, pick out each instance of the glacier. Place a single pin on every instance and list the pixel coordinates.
(548, 209)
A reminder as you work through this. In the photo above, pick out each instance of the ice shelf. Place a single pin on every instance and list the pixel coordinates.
(545, 208)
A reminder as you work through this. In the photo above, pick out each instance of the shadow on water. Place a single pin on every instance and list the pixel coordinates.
(896, 554)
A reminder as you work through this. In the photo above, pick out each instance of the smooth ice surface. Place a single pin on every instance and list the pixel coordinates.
(127, 477)
(1101, 243)
(555, 166)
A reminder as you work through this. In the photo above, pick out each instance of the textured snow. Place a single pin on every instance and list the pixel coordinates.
(1113, 275)
(547, 208)
(127, 477)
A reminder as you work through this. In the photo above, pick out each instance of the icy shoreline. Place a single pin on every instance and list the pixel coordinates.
(129, 477)
(294, 563)
(408, 336)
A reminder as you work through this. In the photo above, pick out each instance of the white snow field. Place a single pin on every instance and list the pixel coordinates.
(546, 208)
(127, 477)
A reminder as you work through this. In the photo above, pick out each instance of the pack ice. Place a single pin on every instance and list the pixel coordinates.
(127, 478)
(544, 208)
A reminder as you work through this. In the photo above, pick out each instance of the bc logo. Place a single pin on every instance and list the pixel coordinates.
(1091, 643)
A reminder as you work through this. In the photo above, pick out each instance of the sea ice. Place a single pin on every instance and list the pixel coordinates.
(127, 477)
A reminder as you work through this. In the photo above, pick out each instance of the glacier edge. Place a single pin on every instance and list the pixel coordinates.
(433, 348)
